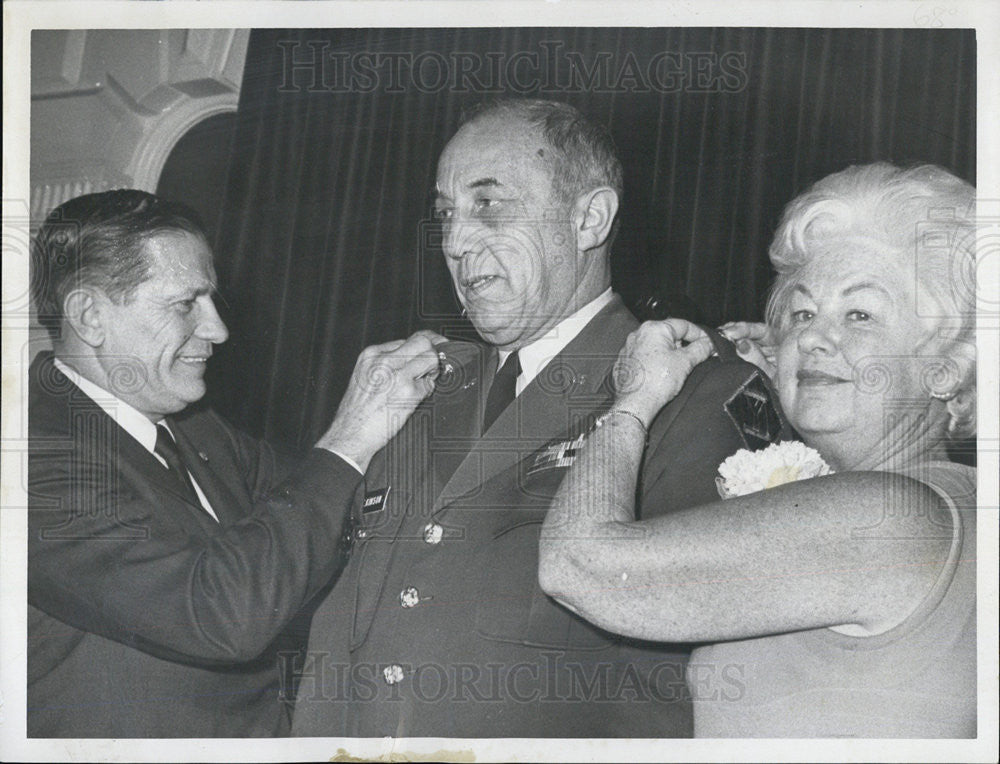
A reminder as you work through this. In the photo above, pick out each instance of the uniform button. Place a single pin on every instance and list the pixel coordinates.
(409, 597)
(393, 674)
(433, 533)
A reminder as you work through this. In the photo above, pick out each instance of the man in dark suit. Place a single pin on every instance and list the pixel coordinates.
(438, 626)
(167, 551)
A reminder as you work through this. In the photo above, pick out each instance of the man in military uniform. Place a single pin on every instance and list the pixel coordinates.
(438, 626)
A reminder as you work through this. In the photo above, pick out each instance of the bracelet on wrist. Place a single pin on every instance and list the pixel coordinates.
(612, 412)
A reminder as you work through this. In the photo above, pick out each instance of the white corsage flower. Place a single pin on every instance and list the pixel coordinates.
(751, 471)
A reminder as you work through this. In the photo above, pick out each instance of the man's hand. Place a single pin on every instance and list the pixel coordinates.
(653, 365)
(388, 383)
(754, 343)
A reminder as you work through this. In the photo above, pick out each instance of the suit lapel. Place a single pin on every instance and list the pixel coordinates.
(571, 387)
(209, 477)
(96, 433)
(143, 469)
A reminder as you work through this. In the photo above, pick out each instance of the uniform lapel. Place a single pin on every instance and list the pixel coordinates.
(456, 407)
(572, 387)
(437, 437)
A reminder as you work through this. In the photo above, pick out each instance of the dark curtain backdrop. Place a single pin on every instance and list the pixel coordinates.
(323, 240)
(195, 171)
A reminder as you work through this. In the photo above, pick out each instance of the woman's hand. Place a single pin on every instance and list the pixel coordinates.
(755, 343)
(653, 365)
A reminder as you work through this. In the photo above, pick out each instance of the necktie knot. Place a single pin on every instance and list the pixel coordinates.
(503, 390)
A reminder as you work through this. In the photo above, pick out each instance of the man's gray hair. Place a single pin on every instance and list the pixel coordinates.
(585, 156)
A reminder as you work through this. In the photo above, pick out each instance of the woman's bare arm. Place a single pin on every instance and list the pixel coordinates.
(859, 549)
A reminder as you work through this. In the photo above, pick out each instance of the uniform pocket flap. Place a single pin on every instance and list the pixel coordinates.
(377, 539)
(510, 606)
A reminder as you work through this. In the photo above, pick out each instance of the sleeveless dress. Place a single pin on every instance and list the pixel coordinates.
(917, 680)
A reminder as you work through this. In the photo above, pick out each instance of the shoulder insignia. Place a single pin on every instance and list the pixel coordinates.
(754, 414)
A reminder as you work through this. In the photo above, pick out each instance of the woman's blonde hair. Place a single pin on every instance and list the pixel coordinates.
(925, 214)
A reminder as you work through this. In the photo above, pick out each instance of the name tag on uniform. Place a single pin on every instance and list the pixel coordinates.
(375, 500)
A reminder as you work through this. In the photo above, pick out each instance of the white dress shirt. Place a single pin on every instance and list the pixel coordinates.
(536, 356)
(129, 419)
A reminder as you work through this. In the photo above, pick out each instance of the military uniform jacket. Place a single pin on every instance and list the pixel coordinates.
(146, 617)
(438, 626)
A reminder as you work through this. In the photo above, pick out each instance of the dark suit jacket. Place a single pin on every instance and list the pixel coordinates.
(146, 617)
(455, 638)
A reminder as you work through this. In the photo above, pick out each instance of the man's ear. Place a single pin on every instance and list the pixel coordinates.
(82, 310)
(595, 214)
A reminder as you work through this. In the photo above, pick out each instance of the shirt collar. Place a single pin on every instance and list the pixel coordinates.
(536, 356)
(128, 418)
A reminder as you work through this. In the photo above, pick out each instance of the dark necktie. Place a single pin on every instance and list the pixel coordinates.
(503, 390)
(166, 447)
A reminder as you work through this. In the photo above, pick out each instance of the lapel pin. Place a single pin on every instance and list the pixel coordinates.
(444, 364)
(203, 456)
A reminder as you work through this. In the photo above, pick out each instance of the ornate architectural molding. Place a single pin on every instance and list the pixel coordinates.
(155, 146)
(108, 106)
